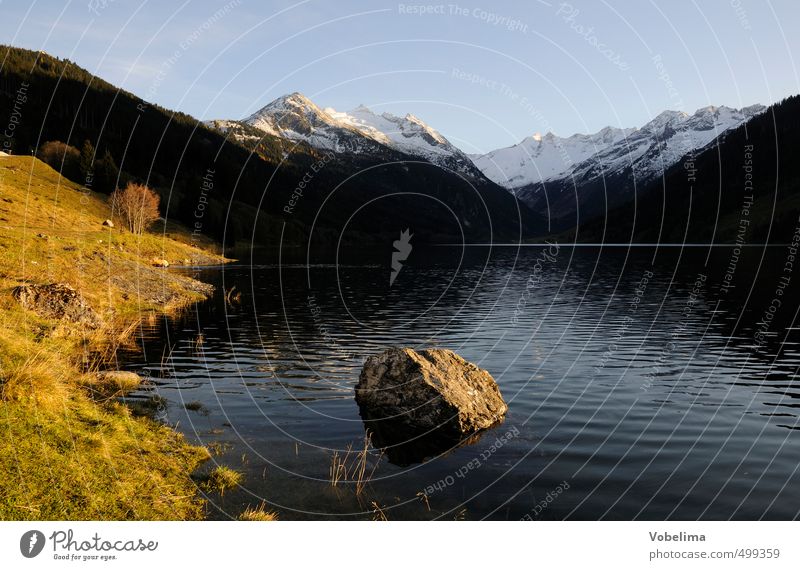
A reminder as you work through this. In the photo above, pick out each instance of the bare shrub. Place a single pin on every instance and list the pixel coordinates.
(136, 206)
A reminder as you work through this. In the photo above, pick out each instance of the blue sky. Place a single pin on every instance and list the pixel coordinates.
(485, 74)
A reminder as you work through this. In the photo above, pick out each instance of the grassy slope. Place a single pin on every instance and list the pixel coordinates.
(63, 454)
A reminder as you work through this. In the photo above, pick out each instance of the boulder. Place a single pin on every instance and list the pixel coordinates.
(428, 397)
(120, 378)
(57, 301)
(112, 383)
(108, 223)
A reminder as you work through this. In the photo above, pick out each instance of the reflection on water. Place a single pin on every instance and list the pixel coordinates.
(632, 375)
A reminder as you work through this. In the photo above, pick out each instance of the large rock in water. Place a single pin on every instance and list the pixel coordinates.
(432, 395)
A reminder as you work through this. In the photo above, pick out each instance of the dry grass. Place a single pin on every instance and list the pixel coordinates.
(232, 296)
(85, 461)
(361, 476)
(31, 373)
(196, 406)
(64, 455)
(221, 479)
(339, 464)
(109, 266)
(424, 498)
(259, 513)
(353, 467)
(377, 512)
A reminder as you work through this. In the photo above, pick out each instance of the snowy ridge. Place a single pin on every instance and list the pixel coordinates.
(648, 150)
(360, 131)
(297, 118)
(643, 152)
(408, 134)
(233, 129)
(539, 158)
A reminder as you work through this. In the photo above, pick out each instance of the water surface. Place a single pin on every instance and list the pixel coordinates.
(641, 383)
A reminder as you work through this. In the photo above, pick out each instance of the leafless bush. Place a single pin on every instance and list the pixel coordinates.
(136, 206)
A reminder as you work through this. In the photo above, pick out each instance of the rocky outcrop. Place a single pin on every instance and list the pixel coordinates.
(154, 286)
(57, 301)
(433, 396)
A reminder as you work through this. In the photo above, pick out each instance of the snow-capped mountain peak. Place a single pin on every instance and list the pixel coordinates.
(291, 101)
(663, 120)
(544, 157)
(296, 117)
(293, 113)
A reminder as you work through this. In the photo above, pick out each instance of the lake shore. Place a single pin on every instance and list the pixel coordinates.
(69, 448)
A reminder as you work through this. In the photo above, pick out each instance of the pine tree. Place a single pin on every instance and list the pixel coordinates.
(106, 173)
(87, 162)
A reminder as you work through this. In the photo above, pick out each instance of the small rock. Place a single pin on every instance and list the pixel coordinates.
(108, 223)
(157, 262)
(121, 377)
(116, 382)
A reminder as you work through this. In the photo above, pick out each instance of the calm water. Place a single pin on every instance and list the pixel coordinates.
(633, 376)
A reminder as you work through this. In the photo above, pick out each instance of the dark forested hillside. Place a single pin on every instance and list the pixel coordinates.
(746, 189)
(257, 190)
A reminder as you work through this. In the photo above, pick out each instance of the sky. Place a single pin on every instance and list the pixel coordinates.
(485, 74)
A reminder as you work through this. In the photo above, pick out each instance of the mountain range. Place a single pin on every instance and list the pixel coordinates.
(294, 173)
(649, 149)
(581, 176)
(566, 179)
(745, 189)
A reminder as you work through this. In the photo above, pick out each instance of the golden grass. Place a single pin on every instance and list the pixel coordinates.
(63, 453)
(339, 464)
(221, 479)
(85, 461)
(259, 513)
(377, 512)
(51, 231)
(353, 468)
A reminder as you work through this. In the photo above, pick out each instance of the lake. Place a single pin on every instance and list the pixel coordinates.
(642, 383)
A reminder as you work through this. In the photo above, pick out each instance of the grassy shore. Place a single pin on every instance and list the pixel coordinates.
(68, 449)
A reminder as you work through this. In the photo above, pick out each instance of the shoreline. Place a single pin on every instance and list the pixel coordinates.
(70, 448)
